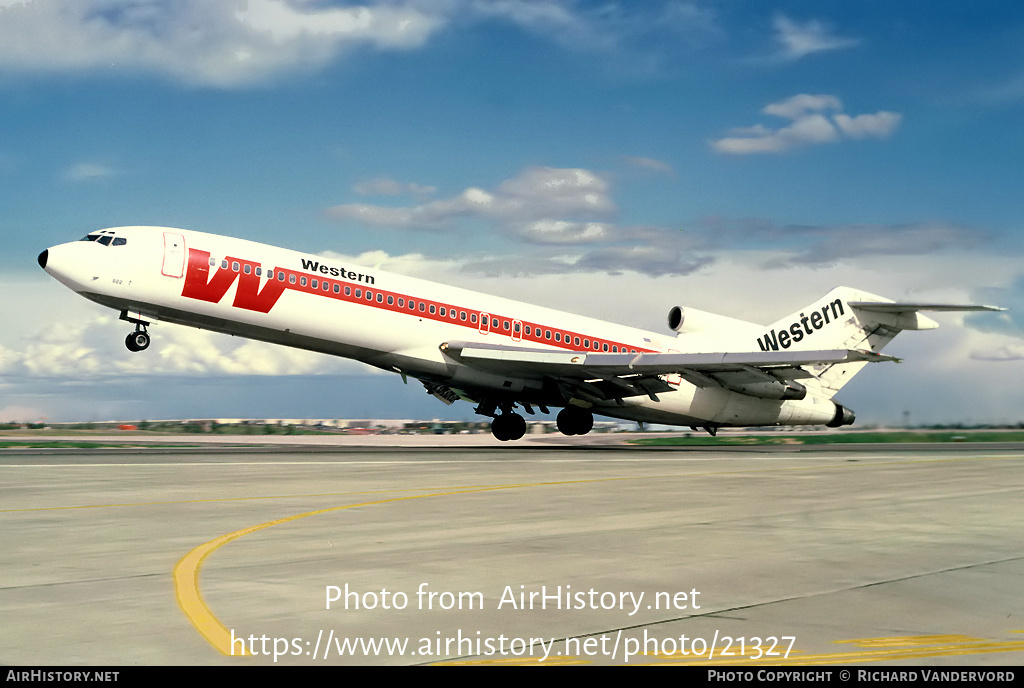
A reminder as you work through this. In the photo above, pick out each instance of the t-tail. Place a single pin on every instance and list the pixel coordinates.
(848, 318)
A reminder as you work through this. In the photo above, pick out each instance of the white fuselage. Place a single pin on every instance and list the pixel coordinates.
(390, 321)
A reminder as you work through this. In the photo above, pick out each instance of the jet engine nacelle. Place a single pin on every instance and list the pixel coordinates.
(691, 321)
(844, 416)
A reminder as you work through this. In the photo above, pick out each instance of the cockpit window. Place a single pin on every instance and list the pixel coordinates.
(106, 238)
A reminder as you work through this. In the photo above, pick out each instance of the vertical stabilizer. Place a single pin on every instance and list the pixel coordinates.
(848, 318)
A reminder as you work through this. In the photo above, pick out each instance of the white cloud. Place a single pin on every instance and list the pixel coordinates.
(800, 105)
(878, 125)
(87, 171)
(563, 232)
(224, 44)
(88, 343)
(1010, 351)
(810, 126)
(245, 42)
(799, 40)
(536, 194)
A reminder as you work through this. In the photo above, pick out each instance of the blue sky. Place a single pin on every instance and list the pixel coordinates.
(610, 158)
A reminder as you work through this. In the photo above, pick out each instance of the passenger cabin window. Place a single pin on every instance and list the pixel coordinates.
(248, 269)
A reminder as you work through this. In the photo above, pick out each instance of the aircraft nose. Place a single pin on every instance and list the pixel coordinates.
(42, 259)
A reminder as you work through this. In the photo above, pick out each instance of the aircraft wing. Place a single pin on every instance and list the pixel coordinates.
(582, 364)
(766, 374)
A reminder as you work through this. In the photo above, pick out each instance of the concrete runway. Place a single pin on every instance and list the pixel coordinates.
(881, 554)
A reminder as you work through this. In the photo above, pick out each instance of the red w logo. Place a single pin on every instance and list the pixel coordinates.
(199, 284)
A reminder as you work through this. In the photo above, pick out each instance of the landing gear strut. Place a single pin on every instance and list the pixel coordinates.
(139, 340)
(572, 420)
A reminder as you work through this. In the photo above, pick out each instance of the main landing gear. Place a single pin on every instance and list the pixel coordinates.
(572, 420)
(139, 340)
(508, 426)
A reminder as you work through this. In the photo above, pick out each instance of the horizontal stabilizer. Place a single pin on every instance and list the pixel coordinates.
(889, 307)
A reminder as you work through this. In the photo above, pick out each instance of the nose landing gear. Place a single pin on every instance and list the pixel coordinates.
(139, 340)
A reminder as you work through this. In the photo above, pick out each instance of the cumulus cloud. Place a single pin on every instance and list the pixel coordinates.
(91, 346)
(797, 40)
(246, 42)
(563, 216)
(224, 44)
(536, 194)
(811, 124)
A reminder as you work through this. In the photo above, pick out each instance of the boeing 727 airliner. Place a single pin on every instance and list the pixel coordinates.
(502, 355)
